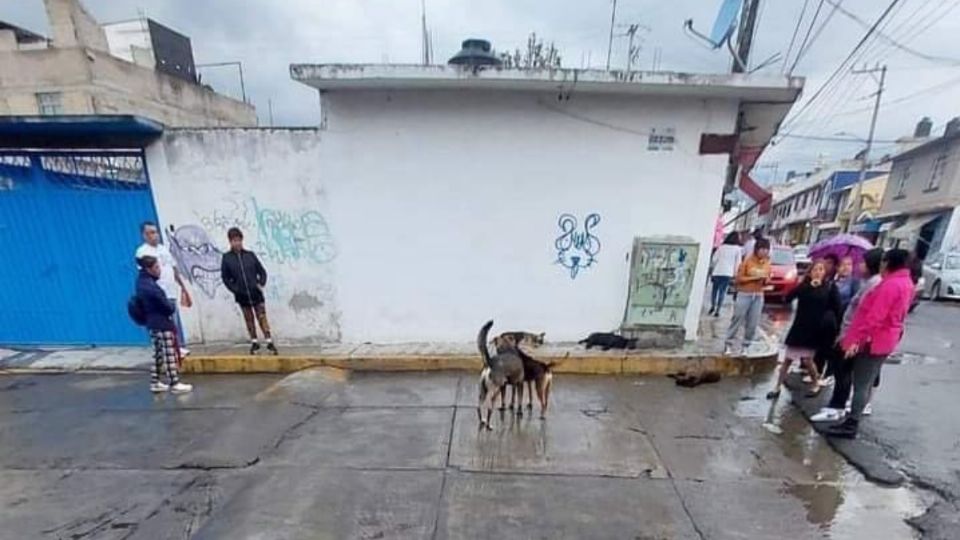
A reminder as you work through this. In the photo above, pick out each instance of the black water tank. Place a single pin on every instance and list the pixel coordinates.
(475, 52)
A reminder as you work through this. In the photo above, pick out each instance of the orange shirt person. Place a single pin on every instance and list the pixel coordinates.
(751, 279)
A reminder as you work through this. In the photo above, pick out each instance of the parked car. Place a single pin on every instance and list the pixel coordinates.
(802, 254)
(941, 273)
(783, 273)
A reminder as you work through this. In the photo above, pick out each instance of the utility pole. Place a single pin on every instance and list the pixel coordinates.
(748, 21)
(857, 191)
(613, 21)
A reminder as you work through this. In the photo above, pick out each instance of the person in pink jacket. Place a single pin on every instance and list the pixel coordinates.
(874, 333)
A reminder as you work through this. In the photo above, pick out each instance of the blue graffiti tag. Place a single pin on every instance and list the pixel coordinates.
(287, 237)
(577, 250)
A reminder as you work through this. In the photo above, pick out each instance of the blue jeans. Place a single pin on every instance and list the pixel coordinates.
(720, 285)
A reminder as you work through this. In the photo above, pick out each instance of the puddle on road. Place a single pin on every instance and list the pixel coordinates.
(841, 502)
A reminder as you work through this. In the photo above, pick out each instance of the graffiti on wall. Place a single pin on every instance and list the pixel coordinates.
(576, 247)
(197, 257)
(279, 236)
(661, 280)
(290, 236)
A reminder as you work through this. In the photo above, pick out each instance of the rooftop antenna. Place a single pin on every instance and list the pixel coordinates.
(426, 47)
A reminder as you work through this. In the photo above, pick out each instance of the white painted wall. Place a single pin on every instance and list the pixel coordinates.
(443, 208)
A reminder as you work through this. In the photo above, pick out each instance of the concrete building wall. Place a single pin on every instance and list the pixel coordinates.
(915, 196)
(94, 82)
(417, 216)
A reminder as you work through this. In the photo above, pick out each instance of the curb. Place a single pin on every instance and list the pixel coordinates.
(592, 364)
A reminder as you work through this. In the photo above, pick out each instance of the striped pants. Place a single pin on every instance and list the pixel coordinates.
(164, 352)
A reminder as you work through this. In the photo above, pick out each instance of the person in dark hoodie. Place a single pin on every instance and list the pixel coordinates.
(158, 312)
(245, 277)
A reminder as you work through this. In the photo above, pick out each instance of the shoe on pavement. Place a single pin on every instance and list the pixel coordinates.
(158, 387)
(773, 394)
(272, 348)
(827, 414)
(844, 430)
(254, 347)
(868, 410)
(181, 388)
(184, 352)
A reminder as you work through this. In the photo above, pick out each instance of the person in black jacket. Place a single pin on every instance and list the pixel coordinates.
(818, 308)
(245, 277)
(158, 313)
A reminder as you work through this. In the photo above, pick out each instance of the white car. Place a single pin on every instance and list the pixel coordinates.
(941, 272)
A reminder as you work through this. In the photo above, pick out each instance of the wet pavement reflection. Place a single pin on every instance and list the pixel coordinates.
(339, 454)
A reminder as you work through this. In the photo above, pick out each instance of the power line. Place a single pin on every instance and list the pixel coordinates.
(894, 42)
(840, 69)
(793, 39)
(834, 138)
(806, 37)
(816, 35)
(928, 90)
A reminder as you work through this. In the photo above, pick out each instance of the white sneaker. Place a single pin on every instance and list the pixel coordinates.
(868, 410)
(807, 379)
(184, 352)
(827, 414)
(159, 387)
(181, 388)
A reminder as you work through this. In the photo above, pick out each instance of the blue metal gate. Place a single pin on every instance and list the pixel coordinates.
(69, 225)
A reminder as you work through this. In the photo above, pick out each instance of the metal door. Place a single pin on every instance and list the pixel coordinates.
(69, 226)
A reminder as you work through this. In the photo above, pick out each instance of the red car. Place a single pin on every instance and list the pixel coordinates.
(783, 273)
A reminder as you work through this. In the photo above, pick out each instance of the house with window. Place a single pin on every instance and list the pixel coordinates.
(794, 207)
(839, 188)
(137, 67)
(920, 205)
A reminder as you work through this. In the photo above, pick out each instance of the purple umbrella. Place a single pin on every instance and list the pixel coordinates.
(842, 245)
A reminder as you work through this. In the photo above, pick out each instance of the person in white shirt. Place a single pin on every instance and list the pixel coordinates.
(726, 260)
(170, 280)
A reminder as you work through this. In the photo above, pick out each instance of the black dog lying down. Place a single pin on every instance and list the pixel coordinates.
(607, 341)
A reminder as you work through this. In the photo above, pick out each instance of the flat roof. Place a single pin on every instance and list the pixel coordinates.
(757, 87)
(78, 131)
(22, 34)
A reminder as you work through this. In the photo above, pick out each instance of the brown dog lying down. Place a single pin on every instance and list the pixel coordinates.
(537, 375)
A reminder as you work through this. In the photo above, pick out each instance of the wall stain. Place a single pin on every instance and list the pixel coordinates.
(304, 301)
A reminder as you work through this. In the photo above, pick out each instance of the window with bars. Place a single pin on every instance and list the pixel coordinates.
(50, 103)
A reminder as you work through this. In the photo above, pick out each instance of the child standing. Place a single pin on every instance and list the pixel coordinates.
(245, 277)
(818, 303)
(157, 312)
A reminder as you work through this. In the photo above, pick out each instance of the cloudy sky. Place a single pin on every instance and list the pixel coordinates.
(269, 35)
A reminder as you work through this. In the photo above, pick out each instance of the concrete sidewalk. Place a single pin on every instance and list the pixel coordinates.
(705, 354)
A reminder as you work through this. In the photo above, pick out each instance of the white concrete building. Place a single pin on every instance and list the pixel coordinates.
(433, 198)
(83, 70)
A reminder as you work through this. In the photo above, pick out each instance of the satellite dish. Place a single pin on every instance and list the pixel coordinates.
(723, 26)
(726, 21)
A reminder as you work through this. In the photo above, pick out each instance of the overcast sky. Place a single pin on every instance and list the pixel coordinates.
(267, 36)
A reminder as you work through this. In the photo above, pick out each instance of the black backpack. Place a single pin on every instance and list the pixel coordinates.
(135, 309)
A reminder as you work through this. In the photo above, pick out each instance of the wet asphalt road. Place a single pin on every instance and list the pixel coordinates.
(916, 420)
(326, 454)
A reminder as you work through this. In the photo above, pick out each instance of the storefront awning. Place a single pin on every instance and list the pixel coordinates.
(911, 228)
